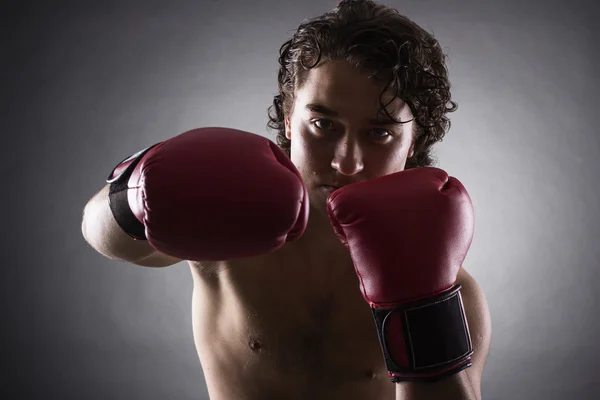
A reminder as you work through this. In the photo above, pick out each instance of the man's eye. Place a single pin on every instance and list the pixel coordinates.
(323, 124)
(379, 134)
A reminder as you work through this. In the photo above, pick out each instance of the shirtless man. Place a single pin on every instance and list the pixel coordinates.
(324, 267)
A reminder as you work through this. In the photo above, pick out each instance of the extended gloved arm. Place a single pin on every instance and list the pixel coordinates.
(210, 194)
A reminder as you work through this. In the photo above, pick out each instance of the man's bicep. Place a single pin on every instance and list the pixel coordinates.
(480, 325)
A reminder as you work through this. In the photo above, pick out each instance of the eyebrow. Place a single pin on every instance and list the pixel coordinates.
(321, 109)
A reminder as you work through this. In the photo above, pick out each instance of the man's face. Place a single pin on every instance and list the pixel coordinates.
(339, 137)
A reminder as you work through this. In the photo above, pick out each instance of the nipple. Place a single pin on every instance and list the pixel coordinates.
(254, 344)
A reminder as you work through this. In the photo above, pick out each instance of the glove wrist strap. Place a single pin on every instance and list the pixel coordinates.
(425, 340)
(117, 195)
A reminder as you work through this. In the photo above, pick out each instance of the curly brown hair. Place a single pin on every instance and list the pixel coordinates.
(393, 49)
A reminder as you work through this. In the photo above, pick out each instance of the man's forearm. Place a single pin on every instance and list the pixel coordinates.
(455, 387)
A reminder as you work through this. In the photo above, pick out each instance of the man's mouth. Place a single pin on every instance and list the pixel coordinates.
(328, 189)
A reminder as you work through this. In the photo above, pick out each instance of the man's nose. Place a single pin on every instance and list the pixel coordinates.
(348, 157)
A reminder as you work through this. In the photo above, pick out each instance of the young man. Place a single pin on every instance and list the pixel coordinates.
(328, 267)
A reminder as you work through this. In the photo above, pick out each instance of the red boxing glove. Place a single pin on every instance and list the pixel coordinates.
(408, 234)
(210, 194)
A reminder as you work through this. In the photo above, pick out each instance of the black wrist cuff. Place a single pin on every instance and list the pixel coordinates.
(117, 197)
(436, 337)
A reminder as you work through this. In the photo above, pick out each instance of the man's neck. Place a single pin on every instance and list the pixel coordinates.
(319, 233)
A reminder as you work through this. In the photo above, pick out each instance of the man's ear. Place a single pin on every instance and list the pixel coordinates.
(413, 136)
(288, 131)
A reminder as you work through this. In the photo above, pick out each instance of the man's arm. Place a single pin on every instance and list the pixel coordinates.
(103, 234)
(180, 200)
(465, 385)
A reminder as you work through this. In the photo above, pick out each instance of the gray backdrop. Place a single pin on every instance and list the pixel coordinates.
(84, 84)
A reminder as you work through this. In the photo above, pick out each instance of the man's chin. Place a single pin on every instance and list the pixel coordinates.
(318, 203)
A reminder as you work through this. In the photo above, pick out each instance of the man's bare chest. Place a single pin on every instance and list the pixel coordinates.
(302, 310)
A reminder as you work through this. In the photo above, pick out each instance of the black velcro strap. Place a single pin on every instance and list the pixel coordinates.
(119, 205)
(117, 198)
(436, 336)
